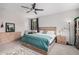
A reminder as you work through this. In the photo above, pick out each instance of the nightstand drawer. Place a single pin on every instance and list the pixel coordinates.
(61, 42)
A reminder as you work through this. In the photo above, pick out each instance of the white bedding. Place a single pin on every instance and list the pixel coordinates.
(52, 40)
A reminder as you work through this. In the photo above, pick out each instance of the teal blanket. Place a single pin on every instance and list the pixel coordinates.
(40, 41)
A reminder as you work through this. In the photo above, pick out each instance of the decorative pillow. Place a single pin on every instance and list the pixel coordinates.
(44, 32)
(41, 31)
(50, 32)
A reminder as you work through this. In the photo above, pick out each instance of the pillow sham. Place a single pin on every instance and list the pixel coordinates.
(50, 32)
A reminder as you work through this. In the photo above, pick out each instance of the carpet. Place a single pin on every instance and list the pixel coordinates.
(16, 48)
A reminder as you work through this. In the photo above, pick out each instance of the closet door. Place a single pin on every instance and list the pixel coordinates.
(76, 42)
(77, 33)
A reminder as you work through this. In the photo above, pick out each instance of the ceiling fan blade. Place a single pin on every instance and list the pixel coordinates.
(35, 12)
(27, 11)
(39, 9)
(33, 5)
(25, 7)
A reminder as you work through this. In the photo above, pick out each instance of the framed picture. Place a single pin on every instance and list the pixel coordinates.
(9, 27)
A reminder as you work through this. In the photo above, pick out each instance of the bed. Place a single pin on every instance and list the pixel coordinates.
(41, 42)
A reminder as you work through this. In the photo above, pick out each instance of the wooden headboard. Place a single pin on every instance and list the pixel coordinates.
(48, 29)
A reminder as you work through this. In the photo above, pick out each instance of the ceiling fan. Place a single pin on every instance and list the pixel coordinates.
(33, 8)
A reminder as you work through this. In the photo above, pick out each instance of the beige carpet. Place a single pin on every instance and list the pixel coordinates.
(16, 48)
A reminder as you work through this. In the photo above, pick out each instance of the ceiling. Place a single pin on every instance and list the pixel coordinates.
(49, 8)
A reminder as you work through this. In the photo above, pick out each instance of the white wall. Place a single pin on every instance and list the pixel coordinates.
(14, 14)
(60, 21)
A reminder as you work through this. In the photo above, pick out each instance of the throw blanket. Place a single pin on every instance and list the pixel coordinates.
(39, 41)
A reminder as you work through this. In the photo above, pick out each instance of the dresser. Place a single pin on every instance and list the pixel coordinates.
(6, 37)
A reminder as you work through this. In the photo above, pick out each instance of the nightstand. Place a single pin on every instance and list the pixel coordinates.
(61, 39)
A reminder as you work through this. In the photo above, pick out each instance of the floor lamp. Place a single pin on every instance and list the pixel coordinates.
(69, 22)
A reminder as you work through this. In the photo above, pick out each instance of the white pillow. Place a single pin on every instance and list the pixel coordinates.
(41, 31)
(44, 34)
(51, 33)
